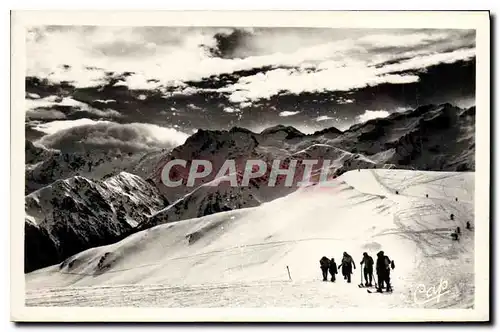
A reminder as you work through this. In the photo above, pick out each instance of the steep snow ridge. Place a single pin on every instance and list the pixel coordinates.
(432, 137)
(339, 157)
(314, 147)
(209, 198)
(216, 195)
(249, 249)
(75, 214)
(126, 184)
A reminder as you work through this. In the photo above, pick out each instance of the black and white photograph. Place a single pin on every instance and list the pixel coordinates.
(260, 166)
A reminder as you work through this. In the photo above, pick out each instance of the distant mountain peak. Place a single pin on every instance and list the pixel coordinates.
(291, 132)
(242, 130)
(329, 130)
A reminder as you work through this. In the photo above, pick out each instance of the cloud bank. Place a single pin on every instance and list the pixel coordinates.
(86, 134)
(288, 113)
(54, 107)
(301, 60)
(217, 78)
(323, 118)
(369, 115)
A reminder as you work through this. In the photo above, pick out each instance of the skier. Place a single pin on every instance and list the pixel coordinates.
(346, 263)
(458, 230)
(324, 263)
(384, 266)
(368, 268)
(333, 269)
(467, 225)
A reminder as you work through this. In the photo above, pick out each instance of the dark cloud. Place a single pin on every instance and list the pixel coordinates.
(438, 84)
(450, 42)
(226, 79)
(228, 43)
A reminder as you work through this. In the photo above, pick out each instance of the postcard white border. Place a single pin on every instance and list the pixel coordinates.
(478, 20)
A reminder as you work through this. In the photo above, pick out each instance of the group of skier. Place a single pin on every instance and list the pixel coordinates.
(383, 269)
(455, 235)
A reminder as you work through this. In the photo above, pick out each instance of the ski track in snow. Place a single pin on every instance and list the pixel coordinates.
(242, 262)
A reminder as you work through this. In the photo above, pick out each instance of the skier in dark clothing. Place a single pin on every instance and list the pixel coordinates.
(333, 269)
(324, 264)
(367, 261)
(347, 264)
(384, 265)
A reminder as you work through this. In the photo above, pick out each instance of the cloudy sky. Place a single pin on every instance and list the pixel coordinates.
(181, 79)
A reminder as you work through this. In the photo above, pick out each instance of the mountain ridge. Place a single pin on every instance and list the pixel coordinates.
(431, 137)
(71, 215)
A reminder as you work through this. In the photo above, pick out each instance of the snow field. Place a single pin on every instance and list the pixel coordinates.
(239, 258)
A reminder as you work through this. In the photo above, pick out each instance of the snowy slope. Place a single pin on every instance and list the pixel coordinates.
(431, 137)
(75, 214)
(239, 258)
(217, 195)
(207, 199)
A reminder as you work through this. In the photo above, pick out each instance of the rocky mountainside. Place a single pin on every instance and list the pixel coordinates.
(72, 206)
(250, 248)
(206, 200)
(45, 166)
(75, 214)
(432, 137)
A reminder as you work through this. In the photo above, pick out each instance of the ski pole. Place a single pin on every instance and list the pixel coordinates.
(289, 276)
